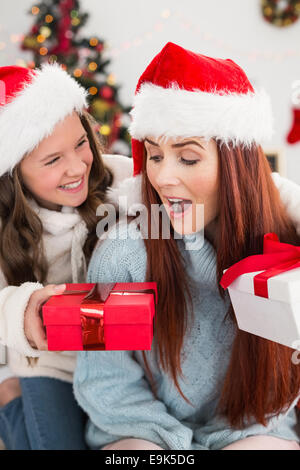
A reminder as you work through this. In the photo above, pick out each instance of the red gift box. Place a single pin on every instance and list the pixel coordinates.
(93, 317)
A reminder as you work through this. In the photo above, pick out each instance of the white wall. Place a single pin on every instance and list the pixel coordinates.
(135, 30)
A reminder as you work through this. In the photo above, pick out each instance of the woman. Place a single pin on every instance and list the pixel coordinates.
(197, 128)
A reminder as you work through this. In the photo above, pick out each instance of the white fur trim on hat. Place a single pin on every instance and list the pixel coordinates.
(127, 197)
(173, 112)
(33, 113)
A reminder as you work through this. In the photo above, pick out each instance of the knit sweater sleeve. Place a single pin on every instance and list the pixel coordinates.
(111, 385)
(13, 303)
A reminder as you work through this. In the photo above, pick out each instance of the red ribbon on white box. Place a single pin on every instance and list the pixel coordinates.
(276, 258)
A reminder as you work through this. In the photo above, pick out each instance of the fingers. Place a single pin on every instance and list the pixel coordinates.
(33, 323)
(42, 295)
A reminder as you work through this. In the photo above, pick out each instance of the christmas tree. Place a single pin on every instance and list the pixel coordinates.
(54, 37)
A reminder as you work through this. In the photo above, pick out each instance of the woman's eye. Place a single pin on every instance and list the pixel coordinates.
(155, 158)
(81, 143)
(188, 162)
(52, 161)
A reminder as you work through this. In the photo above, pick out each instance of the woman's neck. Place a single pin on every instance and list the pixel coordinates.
(210, 231)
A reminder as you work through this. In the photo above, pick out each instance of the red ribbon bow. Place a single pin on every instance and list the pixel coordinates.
(92, 311)
(276, 258)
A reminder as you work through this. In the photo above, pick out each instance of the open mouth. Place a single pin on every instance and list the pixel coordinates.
(179, 206)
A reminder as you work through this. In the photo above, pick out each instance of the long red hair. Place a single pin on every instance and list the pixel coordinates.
(261, 379)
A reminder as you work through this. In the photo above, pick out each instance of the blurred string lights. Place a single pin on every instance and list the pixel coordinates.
(164, 20)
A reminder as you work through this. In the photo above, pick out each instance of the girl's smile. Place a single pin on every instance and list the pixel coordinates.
(73, 187)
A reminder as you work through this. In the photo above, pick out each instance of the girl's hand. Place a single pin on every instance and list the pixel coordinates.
(33, 323)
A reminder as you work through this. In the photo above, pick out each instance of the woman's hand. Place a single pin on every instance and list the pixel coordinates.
(33, 323)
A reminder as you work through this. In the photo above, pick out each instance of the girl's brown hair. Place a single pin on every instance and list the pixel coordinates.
(21, 251)
(261, 379)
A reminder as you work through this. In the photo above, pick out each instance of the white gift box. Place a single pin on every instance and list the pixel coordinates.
(276, 318)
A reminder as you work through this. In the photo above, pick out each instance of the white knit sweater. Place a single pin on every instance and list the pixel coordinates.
(63, 238)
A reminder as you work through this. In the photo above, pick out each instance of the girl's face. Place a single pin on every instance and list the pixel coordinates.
(57, 170)
(184, 172)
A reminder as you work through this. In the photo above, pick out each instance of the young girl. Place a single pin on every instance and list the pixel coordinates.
(197, 127)
(52, 179)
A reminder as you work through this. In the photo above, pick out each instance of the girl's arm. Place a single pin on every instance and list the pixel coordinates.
(290, 196)
(111, 385)
(21, 325)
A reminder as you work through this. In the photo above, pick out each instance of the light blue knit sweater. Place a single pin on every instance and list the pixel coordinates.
(111, 385)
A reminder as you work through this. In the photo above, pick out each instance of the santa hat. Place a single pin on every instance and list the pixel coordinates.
(184, 94)
(32, 102)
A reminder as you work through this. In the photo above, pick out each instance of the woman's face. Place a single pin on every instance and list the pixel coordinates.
(184, 172)
(57, 170)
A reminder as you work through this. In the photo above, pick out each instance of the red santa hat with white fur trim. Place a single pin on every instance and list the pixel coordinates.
(32, 102)
(184, 94)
